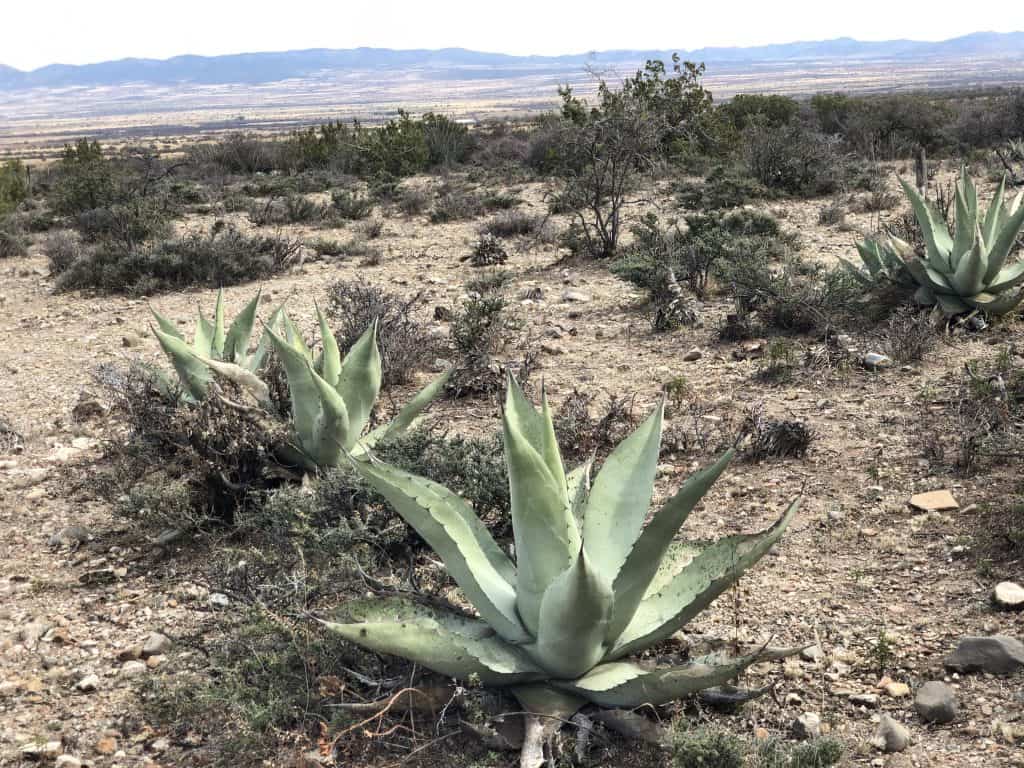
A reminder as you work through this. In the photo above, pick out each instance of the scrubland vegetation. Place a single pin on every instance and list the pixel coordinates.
(505, 588)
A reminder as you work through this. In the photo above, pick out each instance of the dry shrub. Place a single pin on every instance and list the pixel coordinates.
(405, 342)
(584, 429)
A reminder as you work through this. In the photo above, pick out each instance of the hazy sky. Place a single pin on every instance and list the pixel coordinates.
(39, 32)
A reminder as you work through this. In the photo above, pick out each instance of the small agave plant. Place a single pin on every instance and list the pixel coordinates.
(964, 270)
(590, 587)
(332, 398)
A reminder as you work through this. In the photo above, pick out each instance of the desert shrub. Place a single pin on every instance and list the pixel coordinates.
(11, 440)
(238, 153)
(14, 185)
(793, 158)
(299, 209)
(403, 337)
(487, 252)
(326, 246)
(501, 201)
(129, 223)
(512, 224)
(454, 203)
(447, 141)
(909, 335)
(707, 747)
(173, 465)
(62, 249)
(12, 243)
(224, 256)
(585, 428)
(371, 229)
(350, 205)
(85, 180)
(724, 187)
(796, 295)
(833, 214)
(501, 146)
(412, 201)
(744, 109)
(775, 438)
(822, 752)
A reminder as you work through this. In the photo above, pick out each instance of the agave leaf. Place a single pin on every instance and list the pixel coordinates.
(236, 344)
(203, 341)
(536, 426)
(938, 243)
(359, 381)
(924, 296)
(547, 538)
(990, 225)
(331, 366)
(265, 343)
(578, 486)
(217, 345)
(857, 273)
(621, 495)
(869, 254)
(574, 615)
(925, 275)
(194, 374)
(1008, 277)
(406, 417)
(444, 642)
(294, 337)
(970, 271)
(447, 523)
(244, 378)
(995, 304)
(307, 408)
(709, 574)
(966, 225)
(951, 305)
(540, 699)
(333, 430)
(644, 559)
(1001, 247)
(627, 685)
(167, 326)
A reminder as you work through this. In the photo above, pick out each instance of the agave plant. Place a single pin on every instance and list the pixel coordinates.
(591, 585)
(961, 271)
(331, 398)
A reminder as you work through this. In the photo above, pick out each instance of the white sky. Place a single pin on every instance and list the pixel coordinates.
(38, 32)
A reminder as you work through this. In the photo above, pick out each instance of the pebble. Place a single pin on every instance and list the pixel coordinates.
(693, 354)
(68, 761)
(869, 700)
(934, 501)
(936, 703)
(807, 726)
(891, 736)
(875, 361)
(219, 600)
(88, 684)
(133, 668)
(1008, 595)
(156, 644)
(575, 296)
(897, 690)
(812, 653)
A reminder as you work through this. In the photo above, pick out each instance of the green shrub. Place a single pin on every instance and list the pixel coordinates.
(793, 158)
(447, 141)
(724, 187)
(744, 109)
(350, 205)
(14, 185)
(222, 257)
(707, 748)
(512, 224)
(85, 180)
(11, 242)
(455, 203)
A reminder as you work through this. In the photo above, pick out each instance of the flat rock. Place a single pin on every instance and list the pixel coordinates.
(891, 736)
(133, 668)
(1008, 595)
(807, 726)
(998, 655)
(897, 690)
(869, 700)
(935, 702)
(693, 354)
(155, 644)
(934, 501)
(88, 684)
(575, 296)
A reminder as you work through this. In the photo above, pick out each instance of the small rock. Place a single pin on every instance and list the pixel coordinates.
(936, 703)
(107, 745)
(219, 600)
(891, 736)
(156, 644)
(869, 700)
(130, 340)
(129, 653)
(998, 655)
(807, 726)
(1008, 595)
(68, 761)
(552, 349)
(88, 684)
(812, 653)
(934, 501)
(693, 354)
(575, 296)
(875, 361)
(896, 690)
(133, 668)
(72, 536)
(160, 745)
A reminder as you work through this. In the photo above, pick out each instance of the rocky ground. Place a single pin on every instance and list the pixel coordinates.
(884, 590)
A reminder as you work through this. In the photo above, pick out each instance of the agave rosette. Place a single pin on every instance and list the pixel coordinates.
(590, 586)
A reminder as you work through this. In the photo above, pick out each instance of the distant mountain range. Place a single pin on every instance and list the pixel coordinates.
(257, 68)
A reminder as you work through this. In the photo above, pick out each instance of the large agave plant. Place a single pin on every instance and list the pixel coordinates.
(966, 269)
(885, 262)
(332, 398)
(591, 585)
